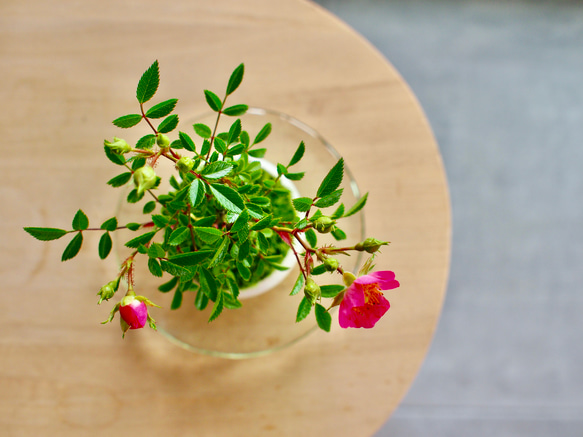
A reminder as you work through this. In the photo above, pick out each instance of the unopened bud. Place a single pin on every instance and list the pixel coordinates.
(145, 178)
(331, 264)
(324, 224)
(370, 245)
(163, 141)
(184, 164)
(117, 146)
(312, 290)
(107, 291)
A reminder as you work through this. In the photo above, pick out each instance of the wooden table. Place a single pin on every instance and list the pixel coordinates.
(68, 68)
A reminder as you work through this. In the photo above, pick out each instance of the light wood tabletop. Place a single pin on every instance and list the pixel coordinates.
(69, 68)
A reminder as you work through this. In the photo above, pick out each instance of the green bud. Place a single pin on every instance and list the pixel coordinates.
(145, 178)
(331, 264)
(348, 278)
(107, 291)
(163, 141)
(370, 245)
(324, 224)
(117, 146)
(184, 164)
(312, 290)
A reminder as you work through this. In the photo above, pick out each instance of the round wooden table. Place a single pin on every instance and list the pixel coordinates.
(70, 67)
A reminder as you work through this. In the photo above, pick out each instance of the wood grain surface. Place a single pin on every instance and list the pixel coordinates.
(68, 68)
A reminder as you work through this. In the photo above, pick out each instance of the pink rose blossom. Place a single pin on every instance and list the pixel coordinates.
(363, 303)
(133, 312)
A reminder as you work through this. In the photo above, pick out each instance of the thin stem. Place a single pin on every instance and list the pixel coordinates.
(146, 118)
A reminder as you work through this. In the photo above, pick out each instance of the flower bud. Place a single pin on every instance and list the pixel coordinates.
(107, 291)
(145, 178)
(118, 146)
(184, 164)
(163, 141)
(324, 224)
(312, 290)
(133, 313)
(331, 264)
(370, 245)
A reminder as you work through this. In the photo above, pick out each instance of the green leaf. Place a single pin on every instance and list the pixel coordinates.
(302, 204)
(323, 318)
(220, 145)
(243, 271)
(201, 301)
(220, 253)
(174, 269)
(338, 234)
(244, 138)
(312, 237)
(216, 170)
(116, 159)
(138, 162)
(217, 307)
(140, 239)
(233, 287)
(295, 176)
(104, 245)
(168, 124)
(196, 192)
(109, 224)
(208, 284)
(235, 79)
(257, 153)
(176, 300)
(148, 84)
(241, 222)
(330, 199)
(208, 234)
(213, 100)
(146, 142)
(303, 309)
(318, 270)
(178, 236)
(332, 180)
(298, 285)
(167, 286)
(46, 234)
(191, 258)
(263, 133)
(265, 222)
(156, 251)
(357, 206)
(149, 207)
(187, 142)
(338, 213)
(235, 110)
(202, 130)
(160, 220)
(263, 244)
(234, 131)
(281, 170)
(134, 196)
(120, 179)
(73, 247)
(298, 154)
(162, 109)
(80, 221)
(331, 290)
(133, 226)
(127, 121)
(154, 267)
(227, 198)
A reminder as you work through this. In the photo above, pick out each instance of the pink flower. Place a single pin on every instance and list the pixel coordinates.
(363, 303)
(133, 312)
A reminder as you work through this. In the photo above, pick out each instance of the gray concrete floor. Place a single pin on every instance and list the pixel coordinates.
(502, 85)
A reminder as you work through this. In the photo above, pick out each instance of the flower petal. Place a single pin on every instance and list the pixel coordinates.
(385, 279)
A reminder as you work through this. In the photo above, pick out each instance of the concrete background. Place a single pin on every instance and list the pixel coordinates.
(501, 83)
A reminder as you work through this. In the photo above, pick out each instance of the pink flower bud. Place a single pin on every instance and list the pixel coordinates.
(133, 312)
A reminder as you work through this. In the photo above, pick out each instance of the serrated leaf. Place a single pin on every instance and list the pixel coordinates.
(235, 79)
(174, 269)
(298, 285)
(148, 84)
(162, 109)
(217, 307)
(146, 142)
(338, 234)
(227, 198)
(235, 110)
(202, 130)
(120, 179)
(105, 244)
(191, 258)
(80, 221)
(127, 121)
(134, 196)
(323, 318)
(208, 284)
(167, 286)
(244, 138)
(178, 236)
(149, 207)
(265, 222)
(46, 234)
(332, 180)
(257, 153)
(109, 224)
(220, 145)
(220, 253)
(330, 199)
(234, 131)
(160, 220)
(154, 267)
(263, 133)
(168, 124)
(263, 244)
(201, 300)
(281, 170)
(243, 271)
(295, 176)
(140, 239)
(196, 192)
(338, 213)
(208, 234)
(73, 247)
(331, 290)
(357, 206)
(302, 204)
(133, 226)
(318, 270)
(312, 237)
(156, 251)
(176, 300)
(116, 159)
(299, 153)
(213, 100)
(187, 142)
(303, 309)
(138, 162)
